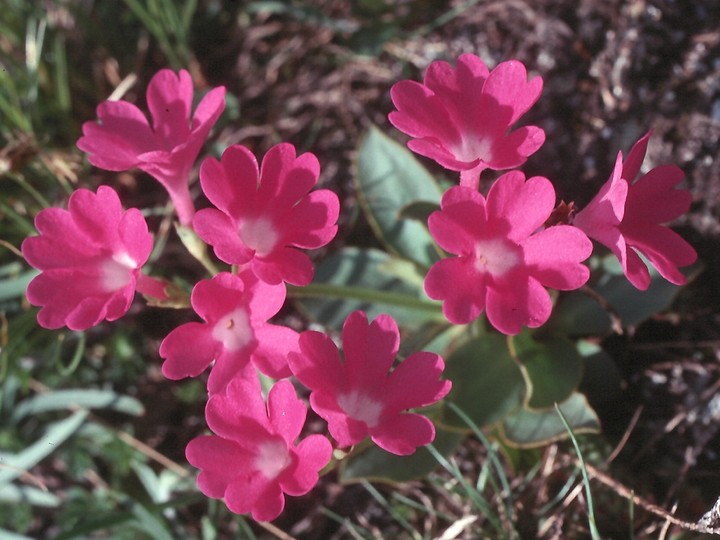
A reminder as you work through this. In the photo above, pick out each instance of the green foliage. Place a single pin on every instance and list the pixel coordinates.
(71, 404)
(366, 279)
(578, 314)
(388, 179)
(374, 464)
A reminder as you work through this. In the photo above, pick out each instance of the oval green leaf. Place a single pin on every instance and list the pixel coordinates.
(487, 382)
(577, 314)
(83, 398)
(389, 179)
(553, 367)
(526, 428)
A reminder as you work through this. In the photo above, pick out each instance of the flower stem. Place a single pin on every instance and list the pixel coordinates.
(471, 177)
(375, 296)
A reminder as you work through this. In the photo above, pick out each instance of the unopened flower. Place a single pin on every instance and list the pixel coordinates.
(90, 257)
(627, 216)
(358, 397)
(460, 117)
(252, 461)
(235, 334)
(123, 139)
(263, 218)
(504, 262)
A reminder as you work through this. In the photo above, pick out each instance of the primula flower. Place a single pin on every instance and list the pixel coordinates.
(263, 217)
(358, 397)
(90, 257)
(460, 116)
(253, 460)
(503, 261)
(627, 216)
(123, 139)
(235, 333)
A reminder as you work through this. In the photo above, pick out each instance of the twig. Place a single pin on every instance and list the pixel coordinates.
(628, 494)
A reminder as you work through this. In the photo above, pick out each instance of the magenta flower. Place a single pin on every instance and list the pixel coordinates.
(89, 257)
(503, 262)
(123, 139)
(253, 459)
(263, 218)
(460, 117)
(358, 397)
(629, 213)
(235, 333)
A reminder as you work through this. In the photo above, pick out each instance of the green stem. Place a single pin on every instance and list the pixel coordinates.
(375, 296)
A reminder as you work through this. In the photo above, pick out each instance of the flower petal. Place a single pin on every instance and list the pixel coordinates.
(169, 98)
(285, 411)
(122, 135)
(420, 371)
(523, 303)
(313, 453)
(218, 230)
(188, 350)
(220, 461)
(369, 349)
(403, 433)
(558, 268)
(462, 289)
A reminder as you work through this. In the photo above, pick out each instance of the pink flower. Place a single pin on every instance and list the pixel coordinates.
(253, 460)
(460, 117)
(503, 262)
(123, 139)
(629, 213)
(358, 397)
(235, 333)
(263, 218)
(90, 257)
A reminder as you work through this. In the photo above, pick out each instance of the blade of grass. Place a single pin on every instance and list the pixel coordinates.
(345, 522)
(475, 496)
(62, 84)
(394, 513)
(586, 479)
(506, 493)
(407, 501)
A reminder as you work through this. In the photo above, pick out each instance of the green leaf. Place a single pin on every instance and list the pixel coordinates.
(11, 493)
(377, 465)
(9, 535)
(553, 368)
(419, 210)
(14, 287)
(487, 382)
(602, 380)
(84, 398)
(363, 279)
(577, 314)
(389, 178)
(58, 432)
(527, 428)
(149, 523)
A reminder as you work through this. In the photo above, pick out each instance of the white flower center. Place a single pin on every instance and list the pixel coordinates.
(234, 330)
(259, 235)
(471, 148)
(117, 271)
(272, 458)
(361, 407)
(496, 256)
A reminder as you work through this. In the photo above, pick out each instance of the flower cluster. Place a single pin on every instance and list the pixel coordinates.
(503, 254)
(262, 219)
